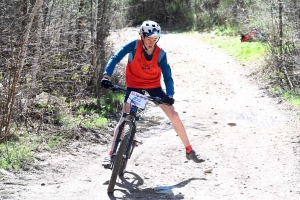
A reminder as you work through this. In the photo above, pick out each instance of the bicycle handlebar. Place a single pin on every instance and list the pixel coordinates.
(155, 100)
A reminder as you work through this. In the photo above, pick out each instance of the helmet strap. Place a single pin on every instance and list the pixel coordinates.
(157, 40)
(144, 35)
(144, 45)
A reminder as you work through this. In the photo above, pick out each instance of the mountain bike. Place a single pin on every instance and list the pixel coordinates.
(125, 140)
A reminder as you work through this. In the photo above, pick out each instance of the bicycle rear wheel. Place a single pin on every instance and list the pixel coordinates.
(119, 158)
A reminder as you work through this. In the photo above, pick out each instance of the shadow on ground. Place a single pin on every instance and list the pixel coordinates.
(130, 188)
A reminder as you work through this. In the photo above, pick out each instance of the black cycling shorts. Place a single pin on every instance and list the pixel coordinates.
(154, 92)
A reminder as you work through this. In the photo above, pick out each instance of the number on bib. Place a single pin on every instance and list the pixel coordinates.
(137, 99)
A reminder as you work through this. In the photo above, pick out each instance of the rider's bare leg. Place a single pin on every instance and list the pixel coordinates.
(180, 130)
(177, 123)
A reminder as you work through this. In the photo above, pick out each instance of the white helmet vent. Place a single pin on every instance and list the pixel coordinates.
(150, 28)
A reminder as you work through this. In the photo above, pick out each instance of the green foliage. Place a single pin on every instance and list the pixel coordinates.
(111, 102)
(141, 18)
(75, 76)
(85, 68)
(70, 122)
(83, 110)
(277, 90)
(14, 155)
(40, 106)
(246, 51)
(225, 31)
(250, 51)
(49, 108)
(87, 116)
(54, 142)
(292, 98)
(242, 51)
(178, 6)
(182, 13)
(94, 122)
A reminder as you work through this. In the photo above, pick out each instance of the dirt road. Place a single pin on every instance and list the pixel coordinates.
(249, 139)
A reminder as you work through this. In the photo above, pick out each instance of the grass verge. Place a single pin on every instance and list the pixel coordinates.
(245, 52)
(18, 152)
(14, 155)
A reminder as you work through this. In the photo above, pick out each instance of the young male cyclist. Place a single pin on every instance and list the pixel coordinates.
(146, 62)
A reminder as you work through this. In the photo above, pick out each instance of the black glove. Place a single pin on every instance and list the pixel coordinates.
(105, 82)
(168, 100)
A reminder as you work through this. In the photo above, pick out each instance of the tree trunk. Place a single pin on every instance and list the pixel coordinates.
(101, 62)
(280, 10)
(37, 48)
(94, 16)
(20, 64)
(24, 15)
(45, 8)
(80, 24)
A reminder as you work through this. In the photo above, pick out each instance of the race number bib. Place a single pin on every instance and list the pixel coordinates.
(137, 99)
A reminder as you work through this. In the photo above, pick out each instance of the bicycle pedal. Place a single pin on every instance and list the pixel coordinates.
(137, 142)
(107, 166)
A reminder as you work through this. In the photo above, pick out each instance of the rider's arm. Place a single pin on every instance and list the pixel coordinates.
(117, 57)
(167, 74)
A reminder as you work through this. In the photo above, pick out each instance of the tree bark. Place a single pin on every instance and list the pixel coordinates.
(24, 15)
(283, 67)
(37, 48)
(101, 37)
(21, 58)
(94, 16)
(280, 12)
(80, 24)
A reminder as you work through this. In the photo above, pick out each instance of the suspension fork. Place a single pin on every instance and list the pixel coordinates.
(118, 138)
(131, 114)
(130, 143)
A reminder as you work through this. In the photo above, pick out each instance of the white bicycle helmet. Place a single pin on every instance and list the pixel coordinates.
(150, 29)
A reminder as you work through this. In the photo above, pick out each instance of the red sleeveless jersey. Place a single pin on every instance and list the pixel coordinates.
(141, 73)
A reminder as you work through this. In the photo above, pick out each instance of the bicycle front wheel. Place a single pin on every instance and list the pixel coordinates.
(119, 158)
(127, 131)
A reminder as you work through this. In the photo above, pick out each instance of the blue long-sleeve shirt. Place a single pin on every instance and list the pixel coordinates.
(131, 49)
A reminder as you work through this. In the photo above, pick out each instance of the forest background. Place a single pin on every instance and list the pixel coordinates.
(53, 54)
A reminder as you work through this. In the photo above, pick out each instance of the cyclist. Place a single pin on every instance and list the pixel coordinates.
(146, 62)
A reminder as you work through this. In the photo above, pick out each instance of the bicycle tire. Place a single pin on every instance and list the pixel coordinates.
(127, 131)
(124, 163)
(123, 167)
(119, 159)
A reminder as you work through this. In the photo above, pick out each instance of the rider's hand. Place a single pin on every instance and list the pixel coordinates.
(106, 83)
(169, 100)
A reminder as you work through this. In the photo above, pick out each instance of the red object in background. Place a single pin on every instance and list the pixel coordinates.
(252, 35)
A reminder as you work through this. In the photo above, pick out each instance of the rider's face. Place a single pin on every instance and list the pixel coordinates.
(149, 42)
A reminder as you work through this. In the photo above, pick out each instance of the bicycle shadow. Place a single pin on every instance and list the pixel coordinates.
(132, 189)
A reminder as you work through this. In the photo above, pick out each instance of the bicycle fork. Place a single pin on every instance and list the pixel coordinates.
(117, 141)
(131, 143)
